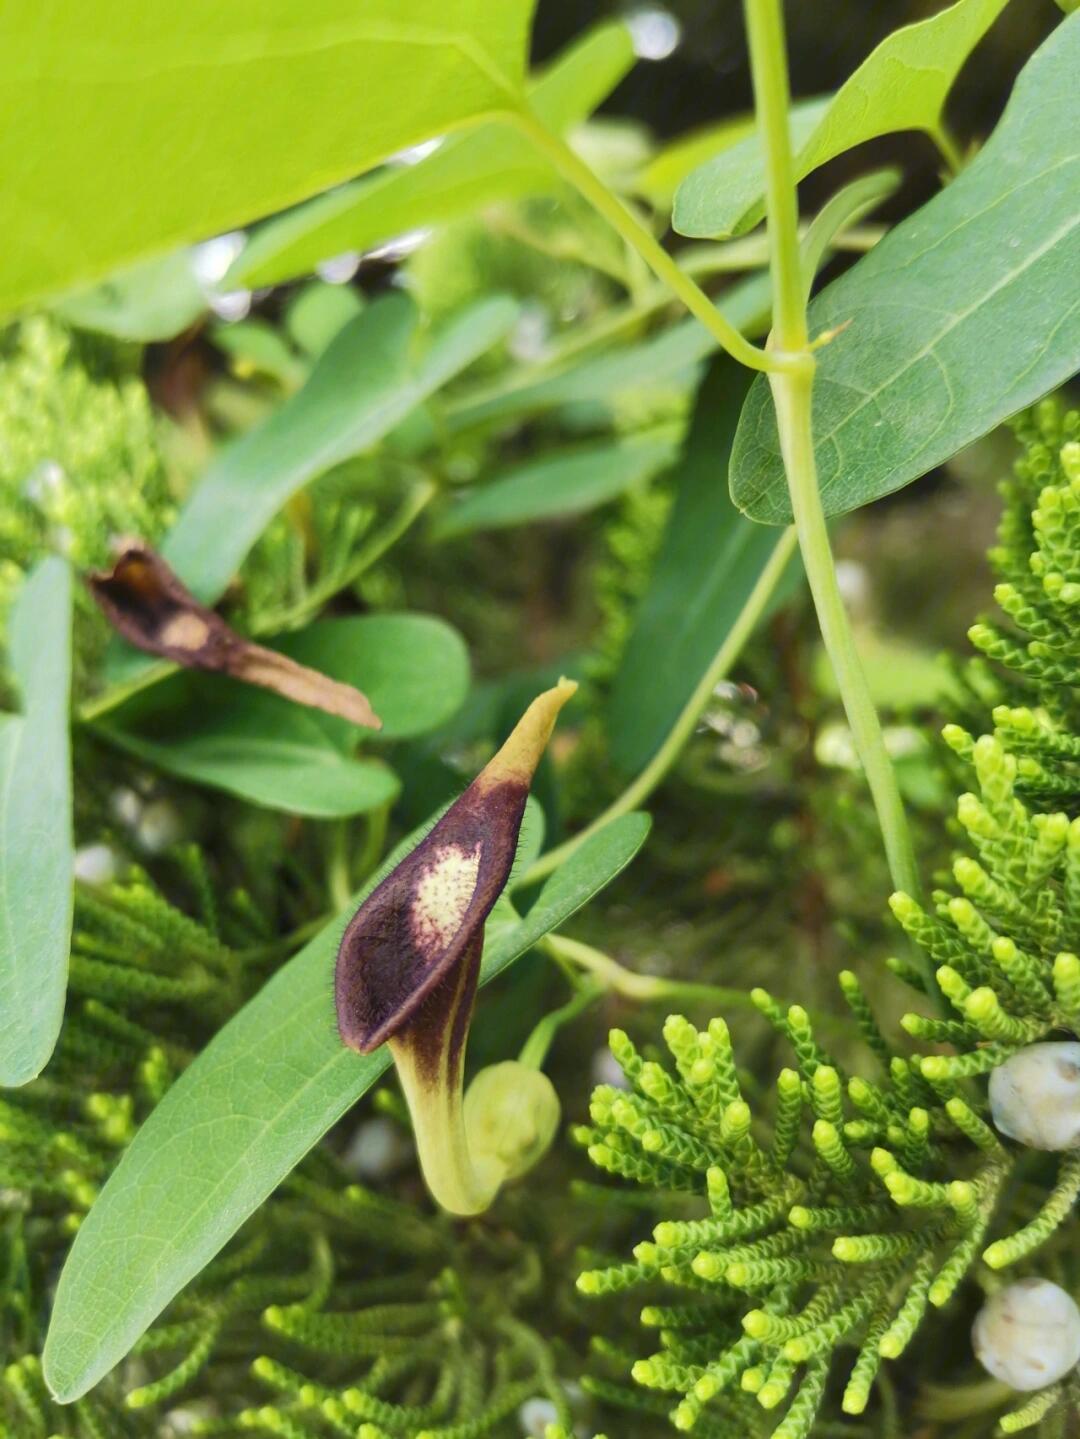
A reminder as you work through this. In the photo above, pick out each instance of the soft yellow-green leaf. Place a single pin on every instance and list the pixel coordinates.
(492, 162)
(128, 130)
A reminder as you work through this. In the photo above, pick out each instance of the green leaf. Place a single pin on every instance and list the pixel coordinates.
(413, 668)
(658, 181)
(257, 347)
(212, 731)
(317, 312)
(36, 855)
(120, 140)
(152, 300)
(361, 388)
(673, 355)
(566, 482)
(709, 562)
(902, 85)
(262, 1092)
(492, 162)
(961, 316)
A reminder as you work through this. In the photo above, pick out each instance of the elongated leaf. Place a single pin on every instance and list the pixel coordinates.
(122, 135)
(961, 316)
(709, 561)
(264, 1090)
(255, 745)
(360, 389)
(565, 483)
(672, 355)
(492, 162)
(36, 855)
(415, 668)
(902, 85)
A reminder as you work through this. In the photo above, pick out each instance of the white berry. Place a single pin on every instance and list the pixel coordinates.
(1028, 1334)
(1035, 1095)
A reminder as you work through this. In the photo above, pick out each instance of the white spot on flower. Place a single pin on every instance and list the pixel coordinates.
(442, 895)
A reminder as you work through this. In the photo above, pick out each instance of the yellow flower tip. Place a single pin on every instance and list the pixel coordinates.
(846, 1248)
(890, 1346)
(755, 1323)
(934, 1066)
(796, 1350)
(685, 1417)
(707, 1265)
(981, 1003)
(586, 1283)
(752, 1380)
(799, 1216)
(642, 1372)
(520, 754)
(262, 1368)
(666, 1234)
(996, 1256)
(706, 1388)
(737, 1274)
(650, 1316)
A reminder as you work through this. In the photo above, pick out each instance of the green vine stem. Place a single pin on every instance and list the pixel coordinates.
(626, 224)
(654, 772)
(792, 388)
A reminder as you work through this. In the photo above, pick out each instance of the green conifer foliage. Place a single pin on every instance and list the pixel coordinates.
(844, 1210)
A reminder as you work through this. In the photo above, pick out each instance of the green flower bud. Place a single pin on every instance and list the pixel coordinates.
(511, 1117)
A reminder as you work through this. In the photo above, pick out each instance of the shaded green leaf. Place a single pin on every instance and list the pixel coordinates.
(359, 390)
(122, 139)
(709, 562)
(961, 316)
(255, 347)
(413, 668)
(151, 300)
(902, 85)
(672, 355)
(36, 854)
(567, 482)
(212, 731)
(264, 1090)
(492, 162)
(316, 313)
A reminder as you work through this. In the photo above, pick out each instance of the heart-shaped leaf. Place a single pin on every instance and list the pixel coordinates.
(492, 162)
(961, 316)
(126, 134)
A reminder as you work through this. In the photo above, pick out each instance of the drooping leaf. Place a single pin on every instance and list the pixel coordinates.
(151, 300)
(491, 162)
(262, 1092)
(36, 852)
(961, 316)
(414, 668)
(566, 482)
(361, 388)
(145, 602)
(709, 562)
(902, 85)
(226, 736)
(122, 136)
(672, 355)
